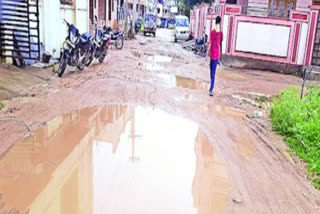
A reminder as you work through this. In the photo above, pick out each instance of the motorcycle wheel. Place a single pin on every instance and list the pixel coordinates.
(82, 61)
(195, 50)
(119, 42)
(103, 55)
(91, 57)
(101, 58)
(89, 61)
(203, 52)
(62, 66)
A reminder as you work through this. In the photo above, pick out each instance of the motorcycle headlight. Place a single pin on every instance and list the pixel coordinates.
(73, 38)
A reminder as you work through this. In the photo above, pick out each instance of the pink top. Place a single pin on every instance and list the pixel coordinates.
(215, 39)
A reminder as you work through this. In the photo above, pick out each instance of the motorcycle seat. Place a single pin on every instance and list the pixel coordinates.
(86, 37)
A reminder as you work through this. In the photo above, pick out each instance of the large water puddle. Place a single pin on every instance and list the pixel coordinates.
(114, 159)
(171, 81)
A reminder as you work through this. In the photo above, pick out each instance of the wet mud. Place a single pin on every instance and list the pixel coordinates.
(139, 134)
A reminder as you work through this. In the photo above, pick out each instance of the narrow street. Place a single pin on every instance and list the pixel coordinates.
(140, 134)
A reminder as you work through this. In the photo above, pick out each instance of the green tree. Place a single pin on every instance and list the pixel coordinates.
(186, 5)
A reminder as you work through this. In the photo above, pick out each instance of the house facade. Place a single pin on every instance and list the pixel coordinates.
(265, 34)
(22, 40)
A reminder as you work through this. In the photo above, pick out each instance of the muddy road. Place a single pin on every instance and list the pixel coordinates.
(139, 134)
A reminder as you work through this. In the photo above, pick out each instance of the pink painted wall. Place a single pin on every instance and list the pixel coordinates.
(241, 2)
(292, 31)
(261, 21)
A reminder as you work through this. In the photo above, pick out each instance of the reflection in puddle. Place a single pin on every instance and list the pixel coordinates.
(184, 97)
(114, 159)
(183, 82)
(160, 58)
(167, 80)
(153, 67)
(244, 142)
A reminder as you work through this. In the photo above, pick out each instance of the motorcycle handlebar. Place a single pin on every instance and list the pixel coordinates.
(66, 22)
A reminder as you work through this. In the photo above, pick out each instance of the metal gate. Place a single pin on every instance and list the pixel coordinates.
(19, 30)
(316, 48)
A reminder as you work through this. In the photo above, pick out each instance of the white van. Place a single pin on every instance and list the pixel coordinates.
(181, 29)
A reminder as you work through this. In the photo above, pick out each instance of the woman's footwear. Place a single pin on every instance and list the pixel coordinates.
(210, 93)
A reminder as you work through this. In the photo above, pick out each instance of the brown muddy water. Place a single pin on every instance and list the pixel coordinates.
(114, 159)
(172, 81)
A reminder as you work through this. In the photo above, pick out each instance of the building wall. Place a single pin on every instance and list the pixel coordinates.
(281, 40)
(267, 39)
(303, 5)
(52, 28)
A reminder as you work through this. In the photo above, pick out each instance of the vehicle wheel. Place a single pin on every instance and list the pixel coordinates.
(144, 33)
(82, 61)
(202, 52)
(102, 56)
(154, 34)
(62, 66)
(195, 50)
(119, 42)
(89, 61)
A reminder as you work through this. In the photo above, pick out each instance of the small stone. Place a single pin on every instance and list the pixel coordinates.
(237, 200)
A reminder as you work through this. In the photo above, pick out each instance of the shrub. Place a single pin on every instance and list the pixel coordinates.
(298, 120)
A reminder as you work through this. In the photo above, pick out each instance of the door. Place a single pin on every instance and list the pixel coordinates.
(109, 9)
(19, 31)
(102, 10)
(316, 47)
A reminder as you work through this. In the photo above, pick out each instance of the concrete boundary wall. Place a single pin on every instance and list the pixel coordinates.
(287, 41)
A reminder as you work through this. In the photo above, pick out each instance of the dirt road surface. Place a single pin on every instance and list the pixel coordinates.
(139, 134)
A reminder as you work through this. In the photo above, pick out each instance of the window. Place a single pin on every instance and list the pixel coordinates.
(315, 2)
(231, 1)
(102, 10)
(109, 9)
(182, 23)
(281, 8)
(68, 2)
(91, 11)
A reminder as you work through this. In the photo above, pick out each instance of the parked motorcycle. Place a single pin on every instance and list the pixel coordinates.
(116, 36)
(201, 46)
(75, 51)
(100, 45)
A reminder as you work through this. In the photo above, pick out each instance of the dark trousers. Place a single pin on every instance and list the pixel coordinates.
(213, 68)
